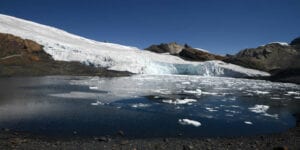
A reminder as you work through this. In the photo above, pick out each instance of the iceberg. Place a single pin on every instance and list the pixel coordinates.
(189, 122)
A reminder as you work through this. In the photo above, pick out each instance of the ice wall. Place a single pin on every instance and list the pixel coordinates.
(64, 46)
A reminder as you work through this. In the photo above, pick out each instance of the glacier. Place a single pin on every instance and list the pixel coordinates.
(64, 46)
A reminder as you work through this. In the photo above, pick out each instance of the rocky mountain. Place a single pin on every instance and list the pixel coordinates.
(185, 52)
(282, 60)
(21, 57)
(296, 43)
(172, 48)
(270, 57)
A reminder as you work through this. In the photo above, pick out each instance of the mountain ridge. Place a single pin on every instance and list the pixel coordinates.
(281, 60)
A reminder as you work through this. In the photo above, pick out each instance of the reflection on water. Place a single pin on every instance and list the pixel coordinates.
(147, 105)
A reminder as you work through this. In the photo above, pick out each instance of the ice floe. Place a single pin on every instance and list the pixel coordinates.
(76, 95)
(235, 106)
(186, 83)
(97, 103)
(261, 92)
(179, 101)
(269, 115)
(259, 108)
(248, 122)
(210, 109)
(232, 111)
(197, 91)
(93, 88)
(209, 93)
(140, 105)
(189, 122)
(292, 93)
(262, 109)
(276, 98)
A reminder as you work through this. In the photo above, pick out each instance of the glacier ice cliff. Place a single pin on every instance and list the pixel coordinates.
(64, 46)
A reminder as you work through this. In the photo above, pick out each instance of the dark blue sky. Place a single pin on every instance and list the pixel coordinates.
(220, 26)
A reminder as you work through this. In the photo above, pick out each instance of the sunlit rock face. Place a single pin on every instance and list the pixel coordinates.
(172, 48)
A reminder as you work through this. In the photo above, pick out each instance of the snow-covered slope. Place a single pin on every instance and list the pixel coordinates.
(64, 46)
(280, 43)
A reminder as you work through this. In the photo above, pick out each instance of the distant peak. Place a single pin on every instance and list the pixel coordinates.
(279, 43)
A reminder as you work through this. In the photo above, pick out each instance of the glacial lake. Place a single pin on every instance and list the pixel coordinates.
(147, 106)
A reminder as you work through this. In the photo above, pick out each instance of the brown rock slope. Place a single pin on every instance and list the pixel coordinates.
(19, 57)
(270, 57)
(185, 52)
(282, 61)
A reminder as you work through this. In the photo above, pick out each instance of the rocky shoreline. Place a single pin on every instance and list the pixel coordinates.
(286, 140)
(281, 141)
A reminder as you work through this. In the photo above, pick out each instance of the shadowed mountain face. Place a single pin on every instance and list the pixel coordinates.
(296, 44)
(22, 57)
(185, 52)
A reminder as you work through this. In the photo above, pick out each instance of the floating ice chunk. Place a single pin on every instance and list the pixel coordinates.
(162, 91)
(259, 108)
(276, 98)
(211, 109)
(272, 116)
(186, 83)
(140, 105)
(207, 116)
(232, 98)
(209, 93)
(168, 101)
(249, 94)
(179, 101)
(297, 97)
(97, 103)
(189, 122)
(197, 91)
(229, 115)
(262, 109)
(93, 88)
(261, 92)
(178, 107)
(234, 106)
(75, 95)
(232, 111)
(248, 122)
(292, 93)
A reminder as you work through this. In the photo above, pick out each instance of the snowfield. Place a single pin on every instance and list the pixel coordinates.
(64, 46)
